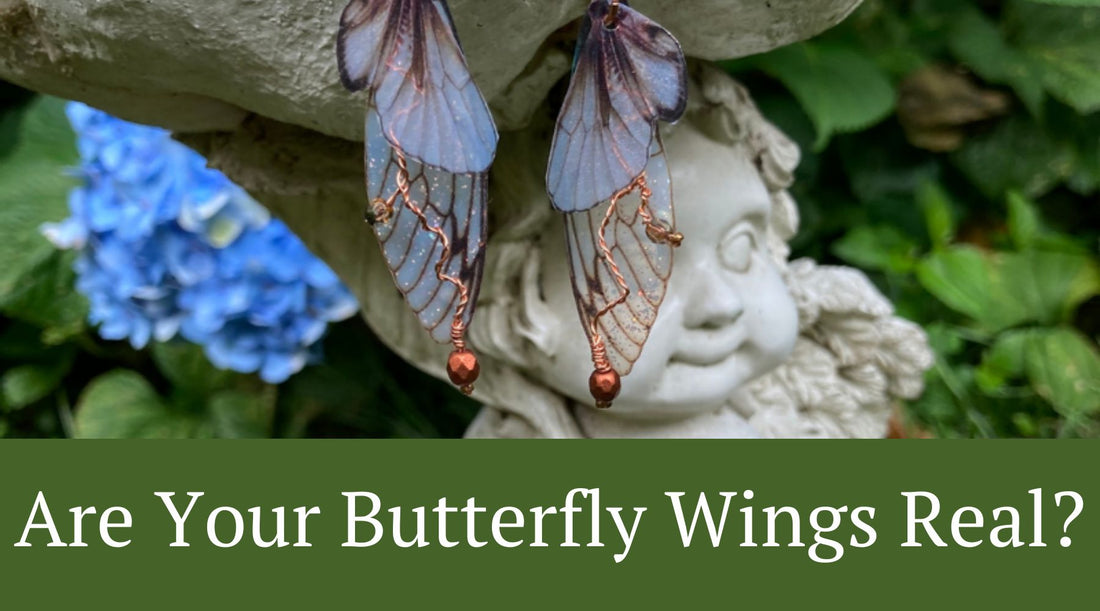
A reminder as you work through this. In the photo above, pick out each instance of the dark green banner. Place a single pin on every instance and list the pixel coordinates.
(647, 524)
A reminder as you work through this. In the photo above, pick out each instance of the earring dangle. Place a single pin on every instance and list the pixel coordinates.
(430, 140)
(608, 174)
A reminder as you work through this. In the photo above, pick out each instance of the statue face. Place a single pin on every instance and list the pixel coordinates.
(728, 316)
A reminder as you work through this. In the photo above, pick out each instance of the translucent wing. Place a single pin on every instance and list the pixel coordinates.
(621, 319)
(453, 203)
(625, 79)
(407, 55)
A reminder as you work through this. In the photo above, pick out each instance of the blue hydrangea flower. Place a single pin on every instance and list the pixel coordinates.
(171, 248)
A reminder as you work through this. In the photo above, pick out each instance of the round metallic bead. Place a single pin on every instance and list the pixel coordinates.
(604, 386)
(463, 369)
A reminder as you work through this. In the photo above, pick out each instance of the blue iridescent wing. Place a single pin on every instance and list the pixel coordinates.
(625, 80)
(623, 318)
(453, 203)
(407, 55)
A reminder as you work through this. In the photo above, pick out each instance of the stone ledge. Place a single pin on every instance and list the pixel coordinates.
(193, 65)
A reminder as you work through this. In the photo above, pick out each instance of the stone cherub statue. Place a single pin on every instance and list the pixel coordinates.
(745, 345)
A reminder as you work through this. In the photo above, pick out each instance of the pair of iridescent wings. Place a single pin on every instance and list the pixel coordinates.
(430, 141)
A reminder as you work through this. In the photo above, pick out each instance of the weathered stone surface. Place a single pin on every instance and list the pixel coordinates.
(202, 65)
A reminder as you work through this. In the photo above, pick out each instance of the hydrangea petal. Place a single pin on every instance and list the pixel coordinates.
(169, 247)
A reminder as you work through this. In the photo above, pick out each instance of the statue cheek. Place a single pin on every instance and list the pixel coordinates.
(774, 327)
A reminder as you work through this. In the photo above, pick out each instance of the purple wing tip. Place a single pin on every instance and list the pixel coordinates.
(348, 22)
(346, 79)
(674, 114)
(351, 84)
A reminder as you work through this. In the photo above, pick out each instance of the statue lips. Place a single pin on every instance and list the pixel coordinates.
(706, 348)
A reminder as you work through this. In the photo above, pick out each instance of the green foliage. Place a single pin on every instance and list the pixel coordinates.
(840, 89)
(999, 290)
(877, 247)
(1016, 154)
(57, 378)
(34, 190)
(202, 401)
(122, 404)
(1060, 43)
(39, 310)
(986, 234)
(977, 41)
(26, 384)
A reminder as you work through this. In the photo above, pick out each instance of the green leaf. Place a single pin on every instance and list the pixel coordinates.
(1023, 220)
(1004, 361)
(1028, 231)
(1000, 290)
(185, 365)
(1064, 368)
(878, 247)
(944, 339)
(33, 189)
(45, 297)
(938, 214)
(969, 281)
(1082, 135)
(1062, 44)
(242, 415)
(937, 405)
(979, 44)
(839, 87)
(959, 277)
(1049, 285)
(1018, 154)
(121, 404)
(26, 384)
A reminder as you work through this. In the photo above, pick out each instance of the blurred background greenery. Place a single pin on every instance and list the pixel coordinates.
(951, 151)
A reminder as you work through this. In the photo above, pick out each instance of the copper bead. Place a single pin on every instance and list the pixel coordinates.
(604, 386)
(463, 369)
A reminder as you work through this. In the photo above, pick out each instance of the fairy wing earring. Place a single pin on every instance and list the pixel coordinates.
(608, 172)
(430, 140)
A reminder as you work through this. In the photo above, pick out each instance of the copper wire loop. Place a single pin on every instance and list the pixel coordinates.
(458, 334)
(599, 350)
(599, 355)
(654, 230)
(379, 211)
(458, 328)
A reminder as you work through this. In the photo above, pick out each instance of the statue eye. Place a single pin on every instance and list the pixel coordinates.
(737, 248)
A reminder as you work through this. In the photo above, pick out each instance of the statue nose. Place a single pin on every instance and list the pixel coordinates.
(714, 304)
